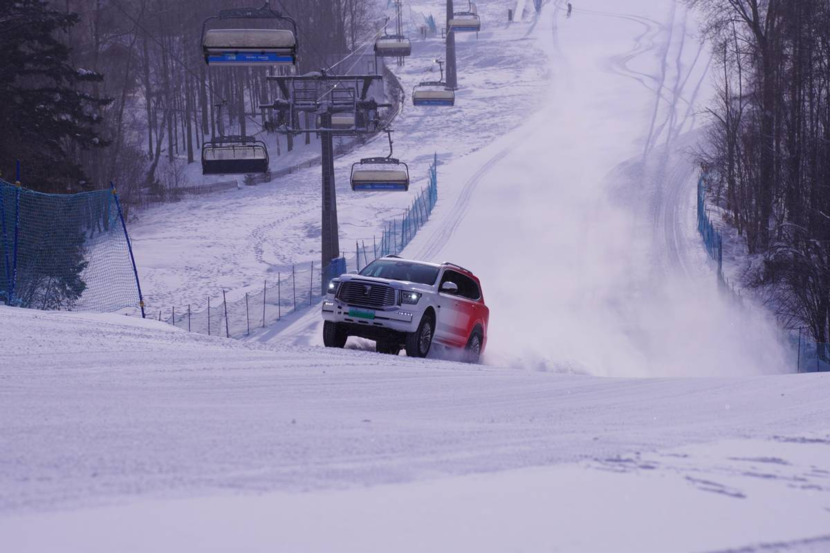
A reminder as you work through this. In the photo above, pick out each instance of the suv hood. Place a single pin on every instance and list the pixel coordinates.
(396, 284)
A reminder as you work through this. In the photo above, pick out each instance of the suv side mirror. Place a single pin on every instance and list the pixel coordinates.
(449, 288)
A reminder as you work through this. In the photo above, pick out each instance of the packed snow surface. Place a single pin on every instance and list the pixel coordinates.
(125, 435)
(566, 185)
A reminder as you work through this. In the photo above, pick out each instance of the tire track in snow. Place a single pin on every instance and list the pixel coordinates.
(451, 221)
(456, 215)
(663, 74)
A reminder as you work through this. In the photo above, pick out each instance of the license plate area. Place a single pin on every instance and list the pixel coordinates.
(362, 314)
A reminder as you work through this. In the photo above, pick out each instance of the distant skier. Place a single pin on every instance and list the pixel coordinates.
(570, 9)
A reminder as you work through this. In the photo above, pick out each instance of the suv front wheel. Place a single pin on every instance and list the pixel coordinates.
(334, 336)
(419, 342)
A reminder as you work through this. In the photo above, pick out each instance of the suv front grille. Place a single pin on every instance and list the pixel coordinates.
(366, 294)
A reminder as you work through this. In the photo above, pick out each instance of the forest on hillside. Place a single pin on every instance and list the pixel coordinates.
(108, 90)
(768, 150)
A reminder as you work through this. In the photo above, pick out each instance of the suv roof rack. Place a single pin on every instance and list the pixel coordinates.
(448, 264)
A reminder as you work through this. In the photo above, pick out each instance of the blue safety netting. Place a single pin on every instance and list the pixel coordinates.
(64, 252)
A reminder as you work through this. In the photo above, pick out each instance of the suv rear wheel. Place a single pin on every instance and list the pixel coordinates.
(334, 336)
(419, 342)
(472, 352)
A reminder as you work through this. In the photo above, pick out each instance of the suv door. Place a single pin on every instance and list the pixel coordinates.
(458, 312)
(449, 310)
(471, 308)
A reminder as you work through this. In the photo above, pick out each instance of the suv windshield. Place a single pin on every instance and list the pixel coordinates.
(394, 269)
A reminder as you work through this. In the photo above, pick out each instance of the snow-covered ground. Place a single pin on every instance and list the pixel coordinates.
(566, 187)
(125, 435)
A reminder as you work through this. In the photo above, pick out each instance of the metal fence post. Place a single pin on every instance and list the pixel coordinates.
(365, 258)
(227, 326)
(14, 251)
(5, 243)
(129, 248)
(375, 245)
(16, 231)
(247, 315)
(174, 316)
(208, 315)
(188, 317)
(357, 256)
(311, 285)
(264, 294)
(798, 363)
(294, 284)
(279, 296)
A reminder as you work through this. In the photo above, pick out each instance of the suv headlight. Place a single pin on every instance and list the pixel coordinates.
(333, 286)
(410, 298)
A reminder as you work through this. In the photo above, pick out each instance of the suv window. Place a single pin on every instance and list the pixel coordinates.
(407, 271)
(467, 287)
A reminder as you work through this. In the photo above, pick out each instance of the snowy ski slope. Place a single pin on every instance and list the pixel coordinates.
(566, 187)
(581, 222)
(127, 435)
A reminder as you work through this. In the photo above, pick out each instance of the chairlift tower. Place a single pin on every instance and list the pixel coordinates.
(452, 72)
(399, 6)
(343, 108)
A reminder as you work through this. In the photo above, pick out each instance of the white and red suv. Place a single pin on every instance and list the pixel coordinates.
(403, 304)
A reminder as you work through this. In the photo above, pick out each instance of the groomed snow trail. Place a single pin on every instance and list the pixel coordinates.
(127, 435)
(581, 223)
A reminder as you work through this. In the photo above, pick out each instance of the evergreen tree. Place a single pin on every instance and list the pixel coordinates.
(46, 117)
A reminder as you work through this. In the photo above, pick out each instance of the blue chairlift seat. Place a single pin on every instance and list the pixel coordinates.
(235, 155)
(433, 93)
(380, 174)
(251, 46)
(465, 22)
(339, 121)
(393, 46)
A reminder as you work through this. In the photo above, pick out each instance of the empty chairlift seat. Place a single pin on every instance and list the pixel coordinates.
(433, 94)
(380, 174)
(234, 156)
(250, 47)
(466, 22)
(393, 46)
(339, 121)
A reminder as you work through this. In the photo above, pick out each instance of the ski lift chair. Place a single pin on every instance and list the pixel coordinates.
(380, 173)
(465, 22)
(234, 155)
(393, 46)
(339, 121)
(433, 93)
(250, 47)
